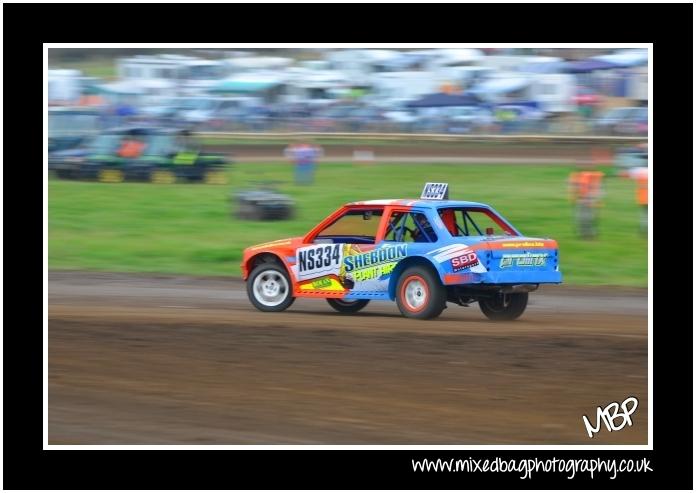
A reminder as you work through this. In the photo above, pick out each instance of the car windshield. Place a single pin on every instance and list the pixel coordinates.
(474, 221)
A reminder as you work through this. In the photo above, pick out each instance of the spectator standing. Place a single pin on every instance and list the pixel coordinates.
(640, 175)
(585, 188)
(304, 154)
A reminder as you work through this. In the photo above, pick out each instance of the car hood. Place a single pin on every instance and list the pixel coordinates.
(286, 244)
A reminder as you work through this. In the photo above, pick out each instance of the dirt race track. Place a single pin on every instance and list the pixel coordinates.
(137, 359)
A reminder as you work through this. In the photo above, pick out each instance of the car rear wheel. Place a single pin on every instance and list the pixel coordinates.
(504, 306)
(347, 306)
(269, 288)
(420, 294)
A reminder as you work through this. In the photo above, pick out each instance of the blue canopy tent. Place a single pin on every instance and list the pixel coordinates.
(534, 105)
(589, 65)
(441, 100)
(626, 58)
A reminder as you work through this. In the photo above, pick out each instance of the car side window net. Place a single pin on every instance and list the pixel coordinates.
(395, 227)
(410, 227)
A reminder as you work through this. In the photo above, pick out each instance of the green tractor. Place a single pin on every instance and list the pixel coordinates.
(141, 154)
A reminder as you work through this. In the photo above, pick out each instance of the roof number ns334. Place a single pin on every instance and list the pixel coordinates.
(435, 191)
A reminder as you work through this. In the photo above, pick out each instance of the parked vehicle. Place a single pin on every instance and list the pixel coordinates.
(68, 128)
(466, 119)
(628, 158)
(623, 120)
(158, 155)
(263, 203)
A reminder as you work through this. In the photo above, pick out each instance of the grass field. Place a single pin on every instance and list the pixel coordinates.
(189, 229)
(102, 68)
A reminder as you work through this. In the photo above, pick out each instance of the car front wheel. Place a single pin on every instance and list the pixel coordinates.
(269, 288)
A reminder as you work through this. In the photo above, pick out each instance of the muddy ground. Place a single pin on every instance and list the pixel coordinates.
(136, 359)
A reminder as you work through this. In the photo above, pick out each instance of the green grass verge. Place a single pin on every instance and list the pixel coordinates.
(102, 68)
(548, 145)
(188, 229)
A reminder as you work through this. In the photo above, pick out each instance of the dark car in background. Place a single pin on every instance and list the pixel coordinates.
(627, 158)
(263, 203)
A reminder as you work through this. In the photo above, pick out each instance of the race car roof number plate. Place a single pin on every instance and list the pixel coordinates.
(435, 191)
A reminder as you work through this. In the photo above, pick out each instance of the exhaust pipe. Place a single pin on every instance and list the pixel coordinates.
(519, 288)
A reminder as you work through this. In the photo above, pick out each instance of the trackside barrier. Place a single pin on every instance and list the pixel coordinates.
(604, 139)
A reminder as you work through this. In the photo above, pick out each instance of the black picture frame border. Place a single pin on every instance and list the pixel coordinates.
(26, 26)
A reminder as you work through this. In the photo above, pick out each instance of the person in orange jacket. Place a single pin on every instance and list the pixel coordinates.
(640, 175)
(131, 148)
(586, 191)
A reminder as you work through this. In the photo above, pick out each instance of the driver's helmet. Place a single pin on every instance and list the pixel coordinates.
(426, 227)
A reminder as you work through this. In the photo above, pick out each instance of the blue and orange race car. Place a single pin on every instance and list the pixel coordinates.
(419, 253)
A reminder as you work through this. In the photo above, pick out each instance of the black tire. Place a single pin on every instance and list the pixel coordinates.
(504, 306)
(250, 211)
(420, 294)
(261, 296)
(64, 174)
(344, 306)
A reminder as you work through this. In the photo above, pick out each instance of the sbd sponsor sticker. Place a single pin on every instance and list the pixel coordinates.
(464, 261)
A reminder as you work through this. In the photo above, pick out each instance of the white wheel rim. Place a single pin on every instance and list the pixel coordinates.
(270, 288)
(416, 294)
